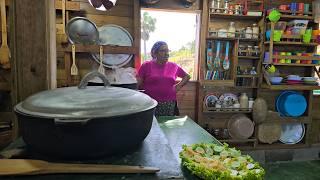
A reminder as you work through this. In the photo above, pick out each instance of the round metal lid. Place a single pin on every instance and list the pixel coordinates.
(114, 35)
(86, 102)
(81, 30)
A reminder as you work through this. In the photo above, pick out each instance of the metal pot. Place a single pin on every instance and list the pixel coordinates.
(85, 121)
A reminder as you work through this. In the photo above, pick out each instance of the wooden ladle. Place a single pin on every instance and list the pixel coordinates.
(4, 49)
(34, 167)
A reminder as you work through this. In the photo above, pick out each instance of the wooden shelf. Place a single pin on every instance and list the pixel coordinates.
(70, 5)
(291, 43)
(249, 57)
(96, 49)
(287, 120)
(237, 140)
(248, 76)
(289, 17)
(246, 87)
(235, 17)
(232, 39)
(226, 110)
(294, 64)
(225, 83)
(296, 57)
(290, 87)
(279, 145)
(289, 12)
(221, 38)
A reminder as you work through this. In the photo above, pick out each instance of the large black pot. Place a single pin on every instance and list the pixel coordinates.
(85, 122)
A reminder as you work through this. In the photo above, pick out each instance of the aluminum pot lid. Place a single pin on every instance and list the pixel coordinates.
(81, 30)
(86, 101)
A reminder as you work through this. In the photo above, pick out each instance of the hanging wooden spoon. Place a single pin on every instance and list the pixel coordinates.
(74, 69)
(33, 167)
(4, 49)
(64, 36)
(101, 68)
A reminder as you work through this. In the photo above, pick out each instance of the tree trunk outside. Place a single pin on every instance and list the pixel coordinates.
(145, 50)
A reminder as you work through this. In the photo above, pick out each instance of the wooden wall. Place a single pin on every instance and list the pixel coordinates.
(187, 100)
(124, 14)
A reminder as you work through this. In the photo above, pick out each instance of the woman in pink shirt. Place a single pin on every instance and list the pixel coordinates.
(158, 78)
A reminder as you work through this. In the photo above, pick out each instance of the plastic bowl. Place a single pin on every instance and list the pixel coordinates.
(275, 80)
(294, 77)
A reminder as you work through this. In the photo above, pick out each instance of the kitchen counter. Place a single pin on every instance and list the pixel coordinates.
(160, 149)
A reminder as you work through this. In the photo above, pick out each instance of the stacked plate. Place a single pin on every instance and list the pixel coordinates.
(310, 81)
(294, 79)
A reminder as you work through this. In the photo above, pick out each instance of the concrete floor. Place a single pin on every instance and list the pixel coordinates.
(294, 170)
(289, 164)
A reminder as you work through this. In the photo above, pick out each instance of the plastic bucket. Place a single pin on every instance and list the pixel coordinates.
(291, 103)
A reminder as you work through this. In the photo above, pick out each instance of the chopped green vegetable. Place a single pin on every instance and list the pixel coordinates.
(211, 161)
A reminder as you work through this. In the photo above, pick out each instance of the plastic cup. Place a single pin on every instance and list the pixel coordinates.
(277, 35)
(306, 8)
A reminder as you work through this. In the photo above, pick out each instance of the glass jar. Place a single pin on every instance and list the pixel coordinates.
(213, 6)
(249, 51)
(255, 31)
(232, 30)
(256, 51)
(242, 33)
(249, 32)
(242, 50)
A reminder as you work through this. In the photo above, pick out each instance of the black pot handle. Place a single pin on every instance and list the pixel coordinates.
(84, 82)
(58, 121)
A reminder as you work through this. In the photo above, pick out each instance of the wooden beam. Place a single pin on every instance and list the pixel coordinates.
(32, 48)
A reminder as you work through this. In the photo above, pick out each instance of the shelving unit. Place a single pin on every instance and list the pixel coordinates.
(218, 117)
(304, 67)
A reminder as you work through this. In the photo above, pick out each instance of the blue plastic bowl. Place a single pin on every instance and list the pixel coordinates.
(291, 103)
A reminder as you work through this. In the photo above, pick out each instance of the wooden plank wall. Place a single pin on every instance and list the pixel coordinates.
(187, 99)
(123, 14)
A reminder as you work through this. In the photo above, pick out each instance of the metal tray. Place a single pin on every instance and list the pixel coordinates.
(292, 133)
(115, 35)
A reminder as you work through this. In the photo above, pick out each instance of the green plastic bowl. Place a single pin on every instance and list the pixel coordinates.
(274, 15)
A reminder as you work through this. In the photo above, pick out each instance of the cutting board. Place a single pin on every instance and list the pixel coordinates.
(34, 167)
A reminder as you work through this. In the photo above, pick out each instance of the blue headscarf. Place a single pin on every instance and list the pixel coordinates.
(156, 47)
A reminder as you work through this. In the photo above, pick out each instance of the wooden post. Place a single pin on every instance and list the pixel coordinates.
(33, 48)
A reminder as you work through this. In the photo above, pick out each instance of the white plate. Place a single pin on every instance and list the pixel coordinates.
(115, 35)
(292, 133)
(210, 100)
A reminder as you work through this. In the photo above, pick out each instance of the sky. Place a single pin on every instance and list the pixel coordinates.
(177, 29)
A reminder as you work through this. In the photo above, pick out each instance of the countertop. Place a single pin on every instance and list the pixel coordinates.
(160, 149)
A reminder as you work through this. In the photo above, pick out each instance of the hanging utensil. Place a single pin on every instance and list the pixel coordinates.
(226, 62)
(81, 30)
(101, 68)
(33, 167)
(74, 69)
(64, 36)
(216, 62)
(4, 49)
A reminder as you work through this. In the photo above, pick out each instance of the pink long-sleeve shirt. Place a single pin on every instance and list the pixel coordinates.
(159, 79)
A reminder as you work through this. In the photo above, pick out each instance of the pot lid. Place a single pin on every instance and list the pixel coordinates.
(86, 101)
